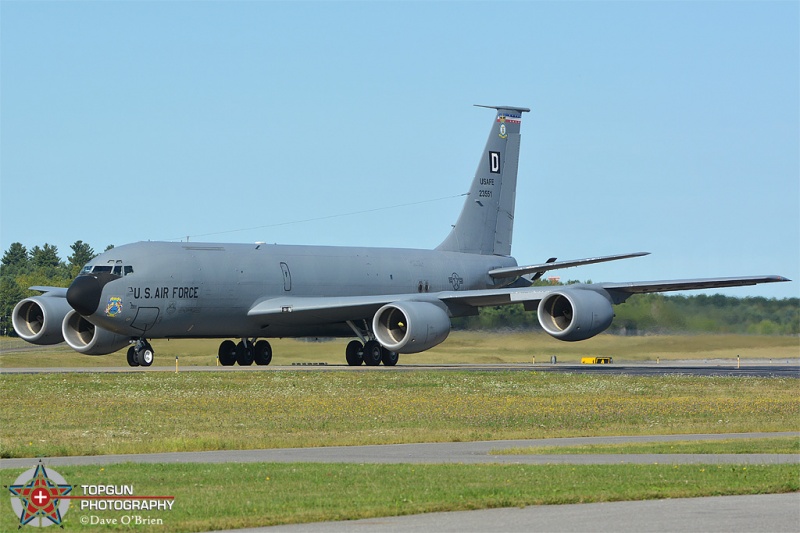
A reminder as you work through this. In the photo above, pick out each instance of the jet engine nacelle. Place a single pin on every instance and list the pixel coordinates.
(410, 327)
(575, 315)
(38, 319)
(86, 338)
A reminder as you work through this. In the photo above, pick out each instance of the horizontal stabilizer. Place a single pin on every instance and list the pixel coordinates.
(513, 272)
(639, 287)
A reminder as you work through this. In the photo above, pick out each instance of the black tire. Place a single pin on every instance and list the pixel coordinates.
(373, 352)
(227, 353)
(262, 353)
(146, 356)
(353, 353)
(132, 357)
(244, 354)
(389, 358)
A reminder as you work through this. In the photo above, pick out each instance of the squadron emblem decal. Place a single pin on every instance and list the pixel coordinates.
(510, 119)
(114, 306)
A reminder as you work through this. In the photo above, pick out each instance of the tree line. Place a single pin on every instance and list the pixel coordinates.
(660, 314)
(21, 268)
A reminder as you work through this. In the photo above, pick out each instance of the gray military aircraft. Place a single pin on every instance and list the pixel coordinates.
(392, 300)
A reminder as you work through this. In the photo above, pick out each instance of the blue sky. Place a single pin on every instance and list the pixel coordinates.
(672, 128)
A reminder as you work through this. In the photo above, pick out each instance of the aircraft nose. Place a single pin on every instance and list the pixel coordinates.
(84, 294)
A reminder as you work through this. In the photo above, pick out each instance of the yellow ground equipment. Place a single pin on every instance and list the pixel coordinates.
(597, 360)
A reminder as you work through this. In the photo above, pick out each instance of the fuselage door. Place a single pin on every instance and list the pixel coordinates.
(287, 277)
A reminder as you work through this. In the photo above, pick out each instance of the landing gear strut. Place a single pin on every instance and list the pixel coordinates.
(141, 353)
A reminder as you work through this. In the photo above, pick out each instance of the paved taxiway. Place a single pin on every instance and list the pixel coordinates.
(729, 514)
(442, 452)
(714, 368)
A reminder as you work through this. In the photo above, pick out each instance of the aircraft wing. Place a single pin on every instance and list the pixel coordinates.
(513, 272)
(326, 309)
(639, 287)
(298, 310)
(58, 292)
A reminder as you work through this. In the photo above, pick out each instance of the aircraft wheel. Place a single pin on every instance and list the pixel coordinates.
(389, 358)
(132, 357)
(146, 356)
(262, 353)
(372, 353)
(244, 354)
(227, 353)
(353, 353)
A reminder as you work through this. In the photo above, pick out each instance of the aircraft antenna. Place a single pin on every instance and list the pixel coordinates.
(327, 217)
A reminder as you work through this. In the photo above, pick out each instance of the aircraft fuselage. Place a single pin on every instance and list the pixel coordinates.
(205, 290)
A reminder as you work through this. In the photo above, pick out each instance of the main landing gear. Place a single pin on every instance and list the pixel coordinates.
(141, 353)
(370, 353)
(246, 352)
(249, 351)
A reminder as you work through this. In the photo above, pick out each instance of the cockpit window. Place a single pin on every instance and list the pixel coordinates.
(118, 269)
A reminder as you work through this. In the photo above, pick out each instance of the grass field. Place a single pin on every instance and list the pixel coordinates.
(460, 347)
(87, 414)
(227, 496)
(100, 413)
(790, 445)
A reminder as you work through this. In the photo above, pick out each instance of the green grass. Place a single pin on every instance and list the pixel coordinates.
(88, 414)
(789, 445)
(460, 347)
(83, 414)
(209, 497)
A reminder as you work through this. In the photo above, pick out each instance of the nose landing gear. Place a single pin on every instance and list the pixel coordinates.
(141, 353)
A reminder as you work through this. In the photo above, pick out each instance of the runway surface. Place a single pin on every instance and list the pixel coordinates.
(693, 368)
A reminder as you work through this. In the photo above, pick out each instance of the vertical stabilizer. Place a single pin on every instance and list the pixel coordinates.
(486, 221)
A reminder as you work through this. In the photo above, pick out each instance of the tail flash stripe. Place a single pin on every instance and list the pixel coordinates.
(510, 119)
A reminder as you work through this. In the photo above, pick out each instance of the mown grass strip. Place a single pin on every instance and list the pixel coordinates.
(226, 496)
(460, 347)
(92, 414)
(782, 445)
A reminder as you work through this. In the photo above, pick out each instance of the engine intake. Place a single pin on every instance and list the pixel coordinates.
(575, 315)
(410, 327)
(86, 338)
(38, 319)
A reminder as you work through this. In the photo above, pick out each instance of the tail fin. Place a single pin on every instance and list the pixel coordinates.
(487, 218)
